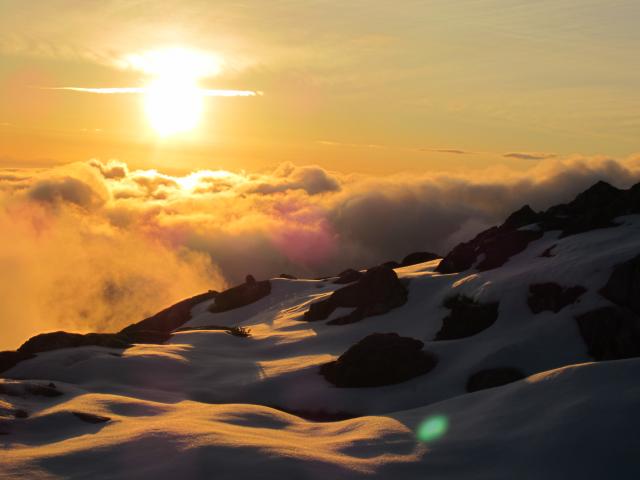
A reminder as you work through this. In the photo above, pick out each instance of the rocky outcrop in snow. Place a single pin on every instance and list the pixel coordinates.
(379, 359)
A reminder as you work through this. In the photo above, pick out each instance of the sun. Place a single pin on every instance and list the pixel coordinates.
(173, 99)
(173, 106)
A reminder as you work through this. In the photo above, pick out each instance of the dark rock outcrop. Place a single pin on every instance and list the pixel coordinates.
(286, 276)
(493, 377)
(377, 292)
(610, 333)
(57, 340)
(348, 276)
(491, 249)
(91, 417)
(418, 257)
(548, 252)
(30, 388)
(9, 359)
(467, 317)
(552, 297)
(245, 294)
(377, 360)
(390, 264)
(167, 320)
(596, 207)
(623, 286)
(520, 218)
(155, 329)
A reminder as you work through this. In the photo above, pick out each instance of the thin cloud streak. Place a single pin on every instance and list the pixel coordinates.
(138, 90)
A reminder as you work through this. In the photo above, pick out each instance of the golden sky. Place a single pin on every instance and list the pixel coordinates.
(370, 86)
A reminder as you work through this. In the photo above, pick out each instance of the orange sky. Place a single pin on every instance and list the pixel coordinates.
(363, 86)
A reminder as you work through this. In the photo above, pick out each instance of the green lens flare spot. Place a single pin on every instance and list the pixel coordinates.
(432, 428)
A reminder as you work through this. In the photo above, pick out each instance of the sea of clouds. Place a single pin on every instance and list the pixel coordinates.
(96, 246)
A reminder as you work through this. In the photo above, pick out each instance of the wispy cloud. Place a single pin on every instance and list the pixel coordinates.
(530, 155)
(140, 90)
(453, 151)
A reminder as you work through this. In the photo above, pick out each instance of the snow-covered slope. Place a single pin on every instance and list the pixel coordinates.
(207, 403)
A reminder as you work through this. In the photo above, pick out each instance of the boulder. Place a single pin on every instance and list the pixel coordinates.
(239, 296)
(467, 317)
(623, 285)
(552, 297)
(377, 360)
(493, 377)
(418, 257)
(377, 292)
(610, 333)
(348, 276)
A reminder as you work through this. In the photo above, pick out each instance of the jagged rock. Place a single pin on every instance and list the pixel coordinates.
(379, 359)
(493, 377)
(596, 207)
(377, 292)
(287, 276)
(249, 279)
(522, 217)
(241, 295)
(610, 333)
(348, 276)
(467, 317)
(91, 417)
(623, 286)
(418, 257)
(9, 359)
(552, 297)
(495, 246)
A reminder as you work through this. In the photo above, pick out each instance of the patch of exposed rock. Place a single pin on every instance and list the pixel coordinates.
(91, 417)
(467, 317)
(377, 292)
(623, 285)
(552, 297)
(155, 329)
(377, 360)
(610, 333)
(596, 207)
(348, 276)
(241, 295)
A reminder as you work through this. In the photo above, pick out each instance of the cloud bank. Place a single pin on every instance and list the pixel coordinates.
(95, 245)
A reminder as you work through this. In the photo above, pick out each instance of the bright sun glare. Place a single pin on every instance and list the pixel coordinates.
(174, 101)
